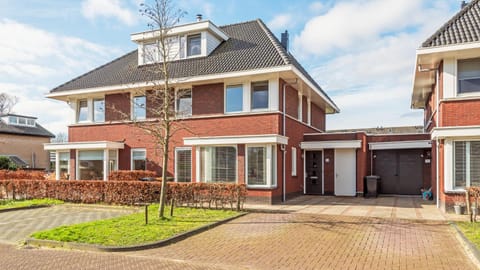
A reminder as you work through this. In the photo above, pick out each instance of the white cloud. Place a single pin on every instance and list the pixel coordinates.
(280, 22)
(92, 9)
(33, 61)
(316, 7)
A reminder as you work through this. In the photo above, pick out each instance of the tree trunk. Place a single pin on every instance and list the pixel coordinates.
(163, 191)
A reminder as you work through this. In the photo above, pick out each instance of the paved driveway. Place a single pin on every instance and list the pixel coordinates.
(15, 226)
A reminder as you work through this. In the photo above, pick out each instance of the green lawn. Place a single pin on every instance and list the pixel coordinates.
(471, 230)
(131, 229)
(9, 204)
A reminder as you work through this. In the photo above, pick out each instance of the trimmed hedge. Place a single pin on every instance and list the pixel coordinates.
(22, 174)
(126, 192)
(126, 175)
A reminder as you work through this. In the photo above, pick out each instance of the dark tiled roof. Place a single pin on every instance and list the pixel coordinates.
(384, 130)
(251, 46)
(38, 130)
(464, 27)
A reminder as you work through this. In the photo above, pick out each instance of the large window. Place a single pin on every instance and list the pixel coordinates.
(259, 95)
(150, 53)
(82, 113)
(466, 164)
(90, 165)
(184, 102)
(99, 110)
(218, 164)
(112, 160)
(234, 98)
(139, 159)
(139, 107)
(261, 166)
(194, 45)
(469, 75)
(183, 164)
(63, 164)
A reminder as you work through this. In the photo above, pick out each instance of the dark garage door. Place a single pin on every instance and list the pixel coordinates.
(401, 171)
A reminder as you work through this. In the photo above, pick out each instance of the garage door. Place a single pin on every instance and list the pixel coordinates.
(401, 171)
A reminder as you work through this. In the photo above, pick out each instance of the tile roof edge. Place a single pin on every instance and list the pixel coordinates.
(447, 24)
(281, 51)
(91, 71)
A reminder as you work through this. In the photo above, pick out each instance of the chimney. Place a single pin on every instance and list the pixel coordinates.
(464, 3)
(199, 17)
(284, 40)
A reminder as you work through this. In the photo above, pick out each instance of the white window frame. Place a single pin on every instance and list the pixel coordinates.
(268, 96)
(271, 165)
(468, 179)
(132, 116)
(457, 77)
(176, 101)
(225, 98)
(186, 45)
(131, 157)
(294, 161)
(191, 160)
(199, 157)
(155, 57)
(77, 118)
(93, 109)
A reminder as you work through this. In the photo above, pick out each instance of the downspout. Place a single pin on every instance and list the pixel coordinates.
(437, 97)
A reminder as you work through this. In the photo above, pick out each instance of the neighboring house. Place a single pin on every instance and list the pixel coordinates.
(241, 80)
(447, 87)
(22, 139)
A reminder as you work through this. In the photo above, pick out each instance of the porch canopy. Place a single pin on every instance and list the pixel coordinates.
(94, 159)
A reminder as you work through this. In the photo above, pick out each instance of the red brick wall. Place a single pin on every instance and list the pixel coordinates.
(241, 163)
(208, 99)
(318, 117)
(460, 113)
(291, 101)
(304, 109)
(117, 107)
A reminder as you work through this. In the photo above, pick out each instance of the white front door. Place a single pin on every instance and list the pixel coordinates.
(345, 172)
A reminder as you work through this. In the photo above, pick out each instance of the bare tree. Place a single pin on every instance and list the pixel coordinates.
(161, 95)
(60, 138)
(6, 103)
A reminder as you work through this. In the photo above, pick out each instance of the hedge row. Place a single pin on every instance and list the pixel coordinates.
(130, 175)
(126, 192)
(22, 174)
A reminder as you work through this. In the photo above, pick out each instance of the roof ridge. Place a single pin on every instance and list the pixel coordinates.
(234, 24)
(91, 71)
(443, 28)
(276, 43)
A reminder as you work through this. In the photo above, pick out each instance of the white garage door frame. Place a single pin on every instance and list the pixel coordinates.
(345, 172)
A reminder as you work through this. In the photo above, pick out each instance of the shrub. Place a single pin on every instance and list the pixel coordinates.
(130, 175)
(7, 164)
(22, 174)
(126, 192)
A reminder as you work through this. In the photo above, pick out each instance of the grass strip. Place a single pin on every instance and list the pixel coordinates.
(12, 204)
(131, 229)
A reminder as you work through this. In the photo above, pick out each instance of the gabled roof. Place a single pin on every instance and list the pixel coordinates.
(464, 27)
(251, 45)
(37, 130)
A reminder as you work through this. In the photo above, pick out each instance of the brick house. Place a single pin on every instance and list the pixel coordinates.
(447, 87)
(249, 103)
(22, 139)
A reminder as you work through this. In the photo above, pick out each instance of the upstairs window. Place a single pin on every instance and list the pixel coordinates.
(194, 45)
(150, 53)
(21, 121)
(233, 98)
(99, 110)
(260, 95)
(139, 107)
(469, 76)
(184, 102)
(82, 113)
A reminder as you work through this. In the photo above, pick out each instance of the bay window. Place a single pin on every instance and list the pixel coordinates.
(466, 164)
(183, 164)
(261, 166)
(63, 165)
(218, 164)
(90, 165)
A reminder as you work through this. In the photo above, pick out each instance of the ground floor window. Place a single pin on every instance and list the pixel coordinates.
(183, 164)
(261, 166)
(112, 160)
(63, 165)
(139, 159)
(218, 164)
(466, 164)
(90, 165)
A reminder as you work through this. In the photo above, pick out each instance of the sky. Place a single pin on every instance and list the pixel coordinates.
(361, 52)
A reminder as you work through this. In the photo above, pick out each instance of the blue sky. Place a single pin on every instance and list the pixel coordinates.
(361, 52)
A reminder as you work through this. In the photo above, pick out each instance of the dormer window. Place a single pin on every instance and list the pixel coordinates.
(150, 53)
(194, 46)
(21, 121)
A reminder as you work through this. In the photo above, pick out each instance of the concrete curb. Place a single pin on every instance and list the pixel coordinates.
(471, 249)
(31, 242)
(26, 207)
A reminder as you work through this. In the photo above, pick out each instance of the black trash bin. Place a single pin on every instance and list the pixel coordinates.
(372, 183)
